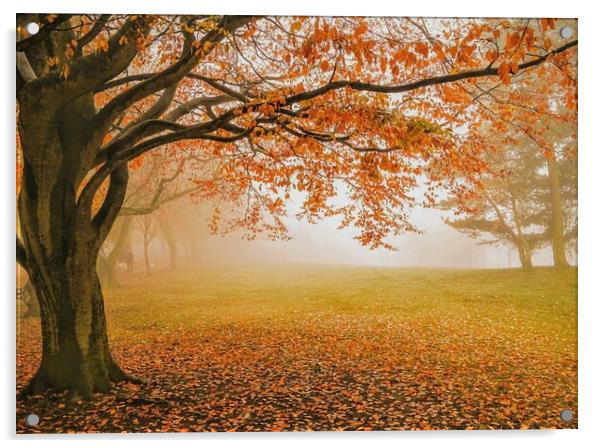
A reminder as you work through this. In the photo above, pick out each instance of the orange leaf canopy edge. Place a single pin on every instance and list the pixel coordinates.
(361, 109)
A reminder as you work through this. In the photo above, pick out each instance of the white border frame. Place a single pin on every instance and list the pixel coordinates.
(590, 163)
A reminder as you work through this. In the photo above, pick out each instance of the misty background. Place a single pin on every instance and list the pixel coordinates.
(438, 245)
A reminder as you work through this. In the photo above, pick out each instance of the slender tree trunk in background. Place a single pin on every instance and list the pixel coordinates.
(557, 214)
(524, 255)
(170, 239)
(522, 245)
(146, 241)
(121, 245)
(146, 258)
(61, 242)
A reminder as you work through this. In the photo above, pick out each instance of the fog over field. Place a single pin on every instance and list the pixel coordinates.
(438, 245)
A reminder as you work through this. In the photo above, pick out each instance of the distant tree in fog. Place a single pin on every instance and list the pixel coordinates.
(525, 196)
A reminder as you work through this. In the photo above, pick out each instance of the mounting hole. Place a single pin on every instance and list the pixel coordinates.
(32, 28)
(566, 32)
(32, 420)
(566, 415)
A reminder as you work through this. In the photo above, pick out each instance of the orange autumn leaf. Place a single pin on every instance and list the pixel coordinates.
(422, 49)
(503, 72)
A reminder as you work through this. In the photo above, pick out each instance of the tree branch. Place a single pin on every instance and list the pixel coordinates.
(139, 211)
(144, 76)
(216, 85)
(154, 203)
(88, 72)
(109, 210)
(123, 80)
(469, 74)
(95, 31)
(45, 28)
(204, 130)
(174, 73)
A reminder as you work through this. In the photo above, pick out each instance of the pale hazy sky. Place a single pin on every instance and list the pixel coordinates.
(439, 245)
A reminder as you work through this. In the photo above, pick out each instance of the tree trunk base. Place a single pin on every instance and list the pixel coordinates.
(84, 386)
(118, 375)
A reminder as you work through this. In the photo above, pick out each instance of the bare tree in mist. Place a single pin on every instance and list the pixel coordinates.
(154, 185)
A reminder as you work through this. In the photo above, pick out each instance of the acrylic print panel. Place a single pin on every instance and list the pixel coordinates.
(236, 223)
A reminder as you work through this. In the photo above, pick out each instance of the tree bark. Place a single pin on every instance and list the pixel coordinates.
(61, 240)
(557, 214)
(76, 354)
(75, 348)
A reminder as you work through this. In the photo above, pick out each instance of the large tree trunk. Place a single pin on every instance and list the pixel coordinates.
(61, 238)
(75, 348)
(557, 214)
(76, 354)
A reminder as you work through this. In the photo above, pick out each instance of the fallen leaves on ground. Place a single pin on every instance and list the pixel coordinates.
(322, 372)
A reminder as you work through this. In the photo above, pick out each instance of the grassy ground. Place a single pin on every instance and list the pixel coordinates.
(309, 347)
